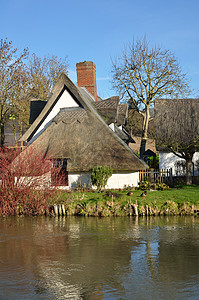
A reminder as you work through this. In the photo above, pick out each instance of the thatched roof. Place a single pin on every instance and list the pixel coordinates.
(108, 109)
(176, 121)
(81, 135)
(122, 114)
(63, 83)
(111, 111)
(150, 144)
(123, 135)
(85, 141)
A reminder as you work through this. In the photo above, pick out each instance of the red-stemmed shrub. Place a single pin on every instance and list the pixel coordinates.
(25, 186)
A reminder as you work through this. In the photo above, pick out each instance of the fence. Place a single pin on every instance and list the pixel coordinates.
(154, 176)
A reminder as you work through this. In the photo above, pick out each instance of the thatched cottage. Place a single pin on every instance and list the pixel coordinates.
(177, 125)
(80, 131)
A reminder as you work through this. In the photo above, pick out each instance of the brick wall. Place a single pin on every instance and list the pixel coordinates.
(86, 77)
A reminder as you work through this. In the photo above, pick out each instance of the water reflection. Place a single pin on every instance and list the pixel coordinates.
(99, 258)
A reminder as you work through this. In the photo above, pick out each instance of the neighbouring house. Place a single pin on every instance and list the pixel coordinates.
(11, 138)
(150, 153)
(176, 119)
(79, 131)
(12, 133)
(150, 144)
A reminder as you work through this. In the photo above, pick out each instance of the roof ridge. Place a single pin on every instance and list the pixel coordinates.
(63, 83)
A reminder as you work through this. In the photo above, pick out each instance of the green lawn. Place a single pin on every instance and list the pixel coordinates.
(183, 194)
(182, 200)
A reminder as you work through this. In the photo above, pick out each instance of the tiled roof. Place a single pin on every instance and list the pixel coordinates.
(69, 115)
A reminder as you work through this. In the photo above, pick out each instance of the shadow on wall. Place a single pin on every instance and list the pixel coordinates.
(79, 180)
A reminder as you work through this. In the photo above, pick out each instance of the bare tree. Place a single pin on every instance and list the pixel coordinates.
(134, 124)
(36, 81)
(177, 129)
(143, 74)
(21, 104)
(185, 150)
(11, 67)
(22, 79)
(44, 72)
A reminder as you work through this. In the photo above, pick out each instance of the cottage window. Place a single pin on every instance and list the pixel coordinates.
(59, 173)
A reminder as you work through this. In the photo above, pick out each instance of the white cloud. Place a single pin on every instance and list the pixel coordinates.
(103, 78)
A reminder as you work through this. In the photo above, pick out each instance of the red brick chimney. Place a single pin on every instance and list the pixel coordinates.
(86, 77)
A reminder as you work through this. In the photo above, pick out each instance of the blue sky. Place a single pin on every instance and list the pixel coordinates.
(98, 30)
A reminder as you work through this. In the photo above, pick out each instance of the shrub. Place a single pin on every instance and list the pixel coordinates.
(19, 190)
(145, 185)
(100, 176)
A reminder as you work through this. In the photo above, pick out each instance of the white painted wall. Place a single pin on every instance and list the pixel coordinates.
(116, 181)
(167, 160)
(65, 100)
(119, 180)
(79, 179)
(112, 126)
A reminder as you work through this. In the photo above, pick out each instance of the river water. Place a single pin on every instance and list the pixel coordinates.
(99, 258)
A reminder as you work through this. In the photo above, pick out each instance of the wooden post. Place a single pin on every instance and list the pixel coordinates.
(147, 210)
(60, 209)
(170, 177)
(130, 209)
(63, 210)
(55, 209)
(135, 206)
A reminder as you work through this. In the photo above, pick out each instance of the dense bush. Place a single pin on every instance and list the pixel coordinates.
(146, 185)
(100, 176)
(21, 193)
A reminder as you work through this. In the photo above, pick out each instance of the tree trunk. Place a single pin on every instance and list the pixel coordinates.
(144, 131)
(21, 131)
(142, 147)
(189, 172)
(2, 135)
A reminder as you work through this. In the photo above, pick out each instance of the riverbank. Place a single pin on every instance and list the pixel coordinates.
(27, 201)
(182, 200)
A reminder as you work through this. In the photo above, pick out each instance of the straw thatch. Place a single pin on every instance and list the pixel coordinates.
(86, 142)
(150, 144)
(81, 134)
(108, 109)
(63, 83)
(111, 111)
(123, 135)
(122, 114)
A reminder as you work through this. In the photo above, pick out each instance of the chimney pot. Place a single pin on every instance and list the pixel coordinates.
(86, 77)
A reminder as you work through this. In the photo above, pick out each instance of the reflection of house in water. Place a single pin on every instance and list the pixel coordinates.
(90, 260)
(181, 246)
(165, 263)
(83, 258)
(71, 256)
